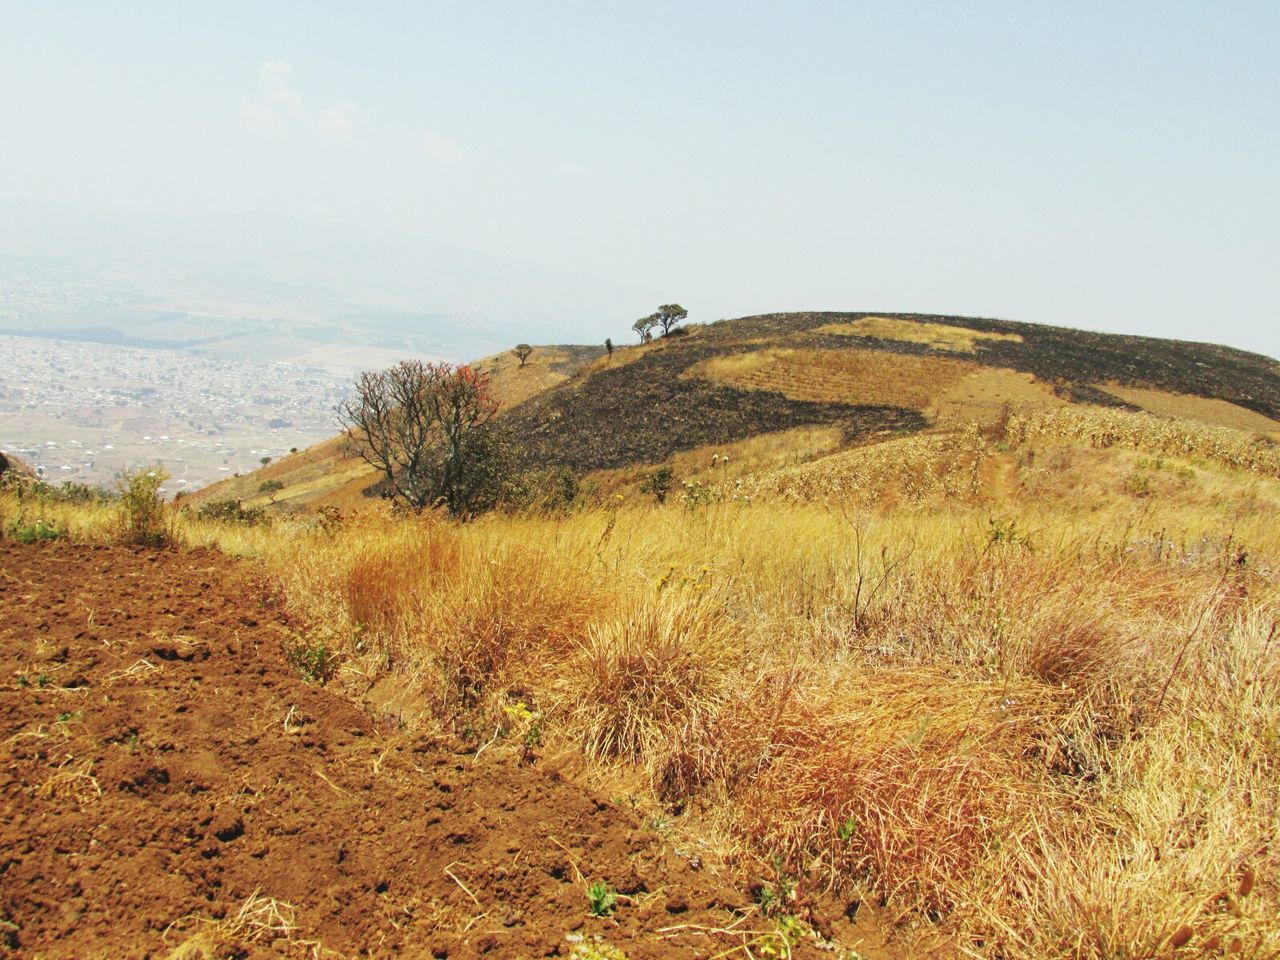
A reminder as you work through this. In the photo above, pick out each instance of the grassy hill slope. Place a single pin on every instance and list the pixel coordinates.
(779, 389)
(9, 462)
(325, 474)
(1057, 665)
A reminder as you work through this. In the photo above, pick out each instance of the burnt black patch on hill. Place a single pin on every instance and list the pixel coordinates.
(576, 356)
(1071, 360)
(644, 411)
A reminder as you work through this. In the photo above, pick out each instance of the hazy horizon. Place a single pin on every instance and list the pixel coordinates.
(555, 172)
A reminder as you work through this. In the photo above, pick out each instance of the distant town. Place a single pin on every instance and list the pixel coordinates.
(84, 411)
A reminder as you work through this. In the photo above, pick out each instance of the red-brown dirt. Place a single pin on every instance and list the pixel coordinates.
(172, 787)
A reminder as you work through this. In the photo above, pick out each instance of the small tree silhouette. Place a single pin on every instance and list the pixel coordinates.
(668, 315)
(426, 428)
(270, 488)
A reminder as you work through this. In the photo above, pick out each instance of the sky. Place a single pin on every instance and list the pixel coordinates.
(1100, 165)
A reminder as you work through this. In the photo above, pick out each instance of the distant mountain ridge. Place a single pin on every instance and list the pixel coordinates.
(266, 287)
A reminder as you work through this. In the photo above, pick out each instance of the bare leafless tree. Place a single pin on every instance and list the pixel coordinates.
(425, 427)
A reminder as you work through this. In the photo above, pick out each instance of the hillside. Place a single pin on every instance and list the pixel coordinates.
(779, 389)
(10, 462)
(325, 474)
(769, 727)
(832, 694)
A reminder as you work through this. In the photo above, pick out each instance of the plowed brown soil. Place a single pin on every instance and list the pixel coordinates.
(171, 787)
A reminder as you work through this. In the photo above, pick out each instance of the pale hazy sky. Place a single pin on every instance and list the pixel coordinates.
(1107, 165)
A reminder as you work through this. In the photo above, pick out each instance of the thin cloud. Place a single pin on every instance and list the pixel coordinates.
(261, 119)
(273, 82)
(280, 107)
(340, 119)
(441, 150)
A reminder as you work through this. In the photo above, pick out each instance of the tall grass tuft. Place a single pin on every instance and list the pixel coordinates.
(652, 672)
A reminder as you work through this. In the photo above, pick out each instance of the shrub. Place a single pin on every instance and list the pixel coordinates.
(698, 494)
(142, 515)
(69, 491)
(602, 899)
(555, 488)
(658, 482)
(314, 660)
(232, 511)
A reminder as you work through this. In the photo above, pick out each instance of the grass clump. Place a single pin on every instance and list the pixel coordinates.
(653, 671)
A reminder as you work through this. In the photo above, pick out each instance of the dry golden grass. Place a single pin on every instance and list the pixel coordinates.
(320, 474)
(846, 376)
(758, 454)
(897, 776)
(982, 395)
(718, 463)
(661, 664)
(1218, 413)
(1050, 724)
(940, 336)
(513, 384)
(1101, 428)
(902, 470)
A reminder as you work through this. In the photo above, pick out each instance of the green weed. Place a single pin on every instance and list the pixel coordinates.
(38, 532)
(314, 661)
(847, 830)
(602, 899)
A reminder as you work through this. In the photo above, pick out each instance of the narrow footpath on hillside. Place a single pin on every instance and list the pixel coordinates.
(171, 787)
